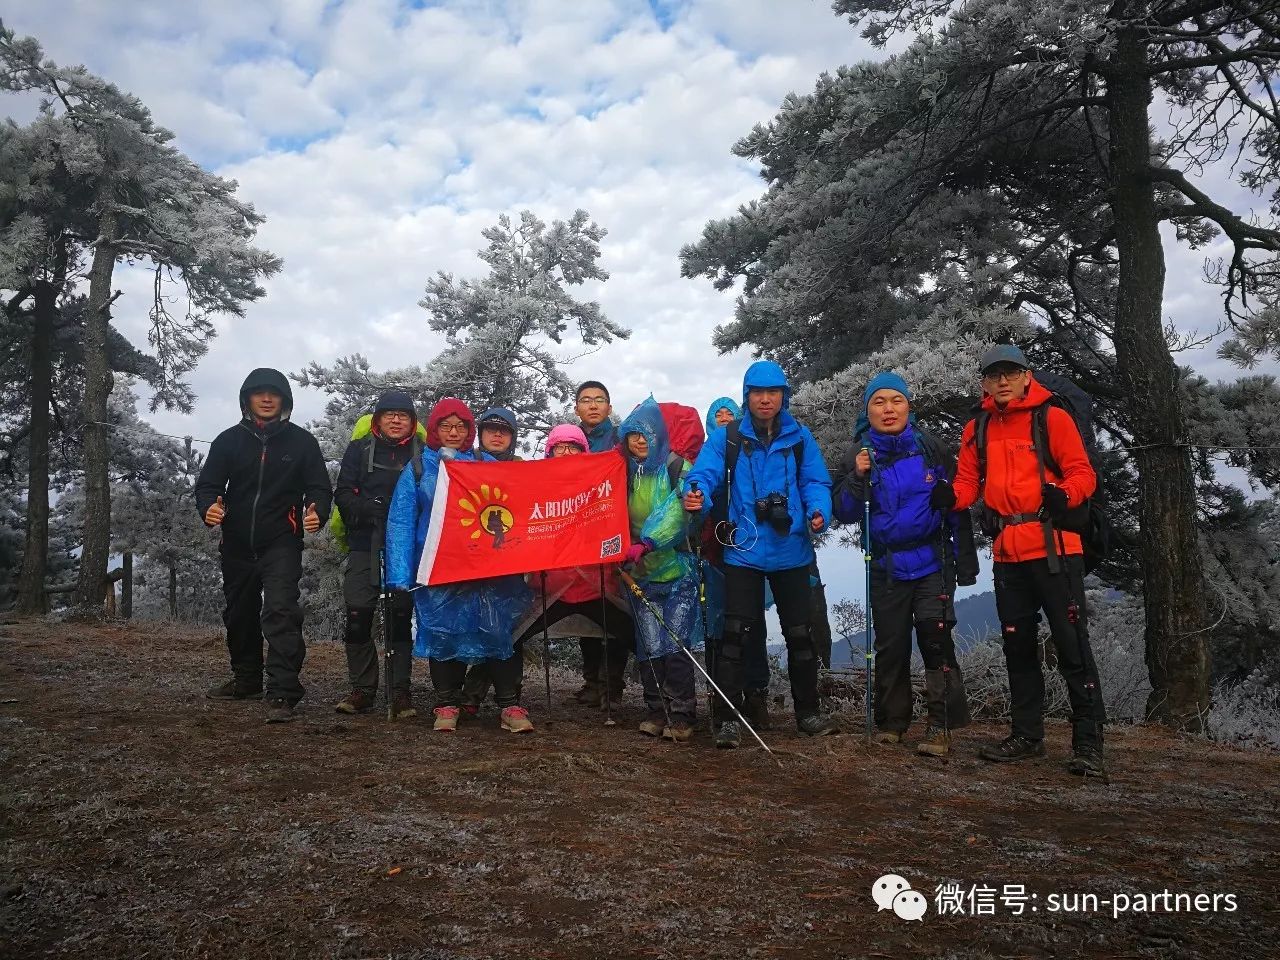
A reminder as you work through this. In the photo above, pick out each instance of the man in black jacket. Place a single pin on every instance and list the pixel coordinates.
(366, 480)
(263, 484)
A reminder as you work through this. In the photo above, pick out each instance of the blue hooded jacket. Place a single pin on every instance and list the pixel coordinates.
(763, 470)
(724, 403)
(470, 621)
(603, 437)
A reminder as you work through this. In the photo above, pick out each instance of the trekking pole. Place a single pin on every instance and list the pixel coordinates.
(868, 652)
(706, 634)
(384, 605)
(635, 589)
(604, 642)
(546, 644)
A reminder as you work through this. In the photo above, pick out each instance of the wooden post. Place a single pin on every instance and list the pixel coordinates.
(109, 601)
(126, 586)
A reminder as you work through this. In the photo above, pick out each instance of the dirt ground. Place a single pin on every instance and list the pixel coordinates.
(140, 820)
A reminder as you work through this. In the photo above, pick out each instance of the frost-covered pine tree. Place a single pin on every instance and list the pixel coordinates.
(1004, 160)
(504, 328)
(144, 202)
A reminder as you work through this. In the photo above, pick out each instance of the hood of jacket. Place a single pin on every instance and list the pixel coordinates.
(646, 420)
(501, 414)
(267, 378)
(765, 373)
(724, 403)
(565, 433)
(448, 407)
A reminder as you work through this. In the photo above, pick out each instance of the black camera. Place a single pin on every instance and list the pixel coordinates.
(773, 510)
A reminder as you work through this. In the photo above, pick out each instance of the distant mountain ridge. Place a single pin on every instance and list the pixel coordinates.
(976, 619)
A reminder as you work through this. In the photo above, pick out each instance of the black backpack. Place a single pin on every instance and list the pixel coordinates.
(1089, 519)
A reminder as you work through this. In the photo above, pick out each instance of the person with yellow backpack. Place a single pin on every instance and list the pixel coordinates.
(382, 445)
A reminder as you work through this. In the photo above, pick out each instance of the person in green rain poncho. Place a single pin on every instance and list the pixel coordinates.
(660, 561)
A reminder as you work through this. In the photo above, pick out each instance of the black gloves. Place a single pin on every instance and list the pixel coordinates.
(942, 497)
(1055, 502)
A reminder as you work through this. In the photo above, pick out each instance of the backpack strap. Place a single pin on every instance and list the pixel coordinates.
(1040, 442)
(415, 457)
(980, 424)
(675, 463)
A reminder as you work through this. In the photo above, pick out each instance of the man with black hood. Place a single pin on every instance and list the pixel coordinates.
(367, 478)
(263, 484)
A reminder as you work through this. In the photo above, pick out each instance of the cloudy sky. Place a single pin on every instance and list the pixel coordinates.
(379, 139)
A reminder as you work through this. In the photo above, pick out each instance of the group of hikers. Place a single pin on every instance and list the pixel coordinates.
(735, 520)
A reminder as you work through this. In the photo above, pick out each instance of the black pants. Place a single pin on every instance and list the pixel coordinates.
(261, 593)
(1023, 590)
(925, 606)
(360, 589)
(449, 677)
(480, 678)
(744, 629)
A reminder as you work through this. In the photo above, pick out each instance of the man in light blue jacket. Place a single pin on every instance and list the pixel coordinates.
(768, 470)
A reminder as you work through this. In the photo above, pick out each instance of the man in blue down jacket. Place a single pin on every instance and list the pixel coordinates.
(919, 549)
(777, 490)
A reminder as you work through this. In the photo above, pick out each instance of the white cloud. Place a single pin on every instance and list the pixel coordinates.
(380, 139)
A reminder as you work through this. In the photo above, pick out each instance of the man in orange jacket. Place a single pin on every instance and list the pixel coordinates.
(1038, 565)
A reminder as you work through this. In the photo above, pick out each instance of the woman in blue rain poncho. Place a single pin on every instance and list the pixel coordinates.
(458, 623)
(664, 570)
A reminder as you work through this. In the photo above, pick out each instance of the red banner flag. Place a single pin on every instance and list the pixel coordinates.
(492, 518)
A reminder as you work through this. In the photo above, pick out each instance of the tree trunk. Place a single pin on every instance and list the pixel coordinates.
(32, 599)
(173, 590)
(96, 548)
(1173, 584)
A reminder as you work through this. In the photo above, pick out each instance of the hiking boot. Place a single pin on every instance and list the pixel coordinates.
(936, 742)
(590, 695)
(279, 710)
(469, 711)
(615, 700)
(816, 725)
(1012, 748)
(755, 708)
(728, 735)
(678, 731)
(887, 736)
(446, 719)
(516, 720)
(1086, 761)
(357, 701)
(653, 725)
(235, 690)
(402, 707)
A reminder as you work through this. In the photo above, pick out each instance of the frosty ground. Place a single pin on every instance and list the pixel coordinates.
(140, 820)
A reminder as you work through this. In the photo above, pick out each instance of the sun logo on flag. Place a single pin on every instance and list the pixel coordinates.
(487, 514)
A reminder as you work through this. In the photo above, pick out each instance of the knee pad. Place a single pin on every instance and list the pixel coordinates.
(934, 637)
(799, 641)
(736, 632)
(359, 625)
(1021, 643)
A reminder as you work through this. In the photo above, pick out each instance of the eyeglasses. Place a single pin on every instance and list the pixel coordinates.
(560, 449)
(451, 428)
(1006, 376)
(396, 415)
(593, 401)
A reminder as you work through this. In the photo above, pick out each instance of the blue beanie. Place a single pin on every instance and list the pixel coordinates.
(885, 381)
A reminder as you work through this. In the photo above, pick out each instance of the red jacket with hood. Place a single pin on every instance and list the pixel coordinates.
(1013, 472)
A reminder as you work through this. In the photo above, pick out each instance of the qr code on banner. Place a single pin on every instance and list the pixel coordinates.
(611, 547)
